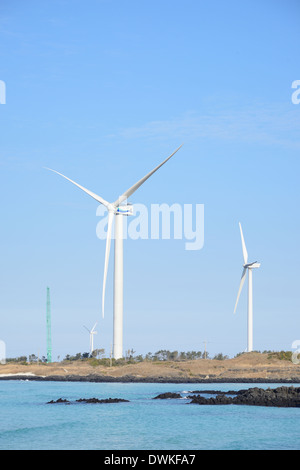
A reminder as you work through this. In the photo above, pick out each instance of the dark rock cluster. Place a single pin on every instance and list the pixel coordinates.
(88, 401)
(106, 400)
(165, 396)
(218, 400)
(282, 397)
(60, 400)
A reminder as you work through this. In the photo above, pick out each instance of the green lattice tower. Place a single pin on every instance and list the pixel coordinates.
(49, 343)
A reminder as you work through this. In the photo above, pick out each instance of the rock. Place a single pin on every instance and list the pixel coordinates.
(60, 400)
(282, 397)
(88, 400)
(218, 400)
(165, 396)
(106, 400)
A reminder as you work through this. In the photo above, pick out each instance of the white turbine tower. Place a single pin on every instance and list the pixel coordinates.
(92, 332)
(119, 210)
(247, 267)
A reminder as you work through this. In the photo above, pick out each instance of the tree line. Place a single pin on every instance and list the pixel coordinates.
(98, 357)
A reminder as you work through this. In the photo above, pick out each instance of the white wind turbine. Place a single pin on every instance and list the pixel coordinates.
(117, 209)
(247, 267)
(92, 332)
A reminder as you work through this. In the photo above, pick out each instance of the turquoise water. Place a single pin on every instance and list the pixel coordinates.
(27, 422)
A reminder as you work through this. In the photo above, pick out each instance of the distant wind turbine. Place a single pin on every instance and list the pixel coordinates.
(247, 267)
(119, 210)
(92, 332)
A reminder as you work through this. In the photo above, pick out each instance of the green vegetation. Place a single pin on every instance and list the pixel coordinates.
(19, 360)
(282, 355)
(220, 357)
(98, 357)
(130, 357)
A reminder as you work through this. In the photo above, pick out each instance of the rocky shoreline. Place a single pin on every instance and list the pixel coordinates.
(282, 397)
(151, 379)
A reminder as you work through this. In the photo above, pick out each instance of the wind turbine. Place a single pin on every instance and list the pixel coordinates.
(92, 332)
(117, 210)
(247, 267)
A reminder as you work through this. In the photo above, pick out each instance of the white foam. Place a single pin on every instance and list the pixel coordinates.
(26, 374)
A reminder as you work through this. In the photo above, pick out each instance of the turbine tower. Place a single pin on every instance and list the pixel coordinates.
(247, 267)
(92, 332)
(49, 342)
(116, 210)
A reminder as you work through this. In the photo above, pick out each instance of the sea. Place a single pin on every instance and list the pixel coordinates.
(27, 422)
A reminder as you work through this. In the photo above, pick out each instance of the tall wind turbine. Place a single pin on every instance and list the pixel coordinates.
(247, 267)
(92, 332)
(117, 210)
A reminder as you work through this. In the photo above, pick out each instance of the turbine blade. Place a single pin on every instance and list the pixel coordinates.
(90, 193)
(86, 328)
(136, 186)
(92, 330)
(245, 253)
(107, 251)
(241, 287)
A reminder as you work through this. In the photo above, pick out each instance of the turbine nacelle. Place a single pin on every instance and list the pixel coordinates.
(125, 209)
(252, 265)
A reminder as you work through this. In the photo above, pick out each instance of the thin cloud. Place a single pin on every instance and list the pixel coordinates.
(271, 125)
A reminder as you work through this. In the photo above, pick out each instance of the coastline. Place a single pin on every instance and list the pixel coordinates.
(250, 368)
(158, 380)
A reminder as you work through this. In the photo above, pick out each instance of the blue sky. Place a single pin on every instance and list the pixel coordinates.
(103, 91)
